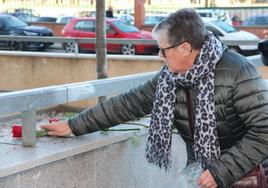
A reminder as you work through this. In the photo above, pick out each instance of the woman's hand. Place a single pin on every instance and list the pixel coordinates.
(58, 128)
(206, 180)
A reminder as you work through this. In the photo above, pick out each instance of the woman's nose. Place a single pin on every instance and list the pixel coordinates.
(160, 54)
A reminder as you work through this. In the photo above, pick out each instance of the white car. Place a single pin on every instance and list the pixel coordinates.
(226, 31)
(222, 15)
(64, 19)
(127, 18)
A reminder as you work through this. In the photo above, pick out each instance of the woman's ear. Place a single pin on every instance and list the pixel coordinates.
(186, 49)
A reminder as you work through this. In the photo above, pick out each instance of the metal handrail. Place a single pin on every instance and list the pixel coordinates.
(76, 40)
(73, 40)
(108, 40)
(31, 100)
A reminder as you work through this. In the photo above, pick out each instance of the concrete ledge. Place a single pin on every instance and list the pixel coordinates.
(79, 56)
(256, 59)
(113, 159)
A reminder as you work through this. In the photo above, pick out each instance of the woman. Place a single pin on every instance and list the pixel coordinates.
(214, 97)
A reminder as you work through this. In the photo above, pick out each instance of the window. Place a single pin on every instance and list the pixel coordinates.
(109, 28)
(85, 25)
(224, 26)
(125, 27)
(10, 21)
(261, 20)
(249, 21)
(205, 14)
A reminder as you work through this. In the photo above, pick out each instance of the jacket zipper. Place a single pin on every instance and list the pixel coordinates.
(189, 111)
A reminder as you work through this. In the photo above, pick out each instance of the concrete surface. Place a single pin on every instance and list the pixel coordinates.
(98, 160)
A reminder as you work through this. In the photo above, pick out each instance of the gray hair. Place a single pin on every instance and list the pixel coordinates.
(183, 25)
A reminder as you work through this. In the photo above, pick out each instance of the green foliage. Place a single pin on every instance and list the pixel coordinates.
(41, 133)
(70, 114)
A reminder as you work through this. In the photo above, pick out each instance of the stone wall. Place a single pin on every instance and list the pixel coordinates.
(26, 70)
(114, 160)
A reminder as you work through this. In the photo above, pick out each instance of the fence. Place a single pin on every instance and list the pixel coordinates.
(242, 12)
(29, 101)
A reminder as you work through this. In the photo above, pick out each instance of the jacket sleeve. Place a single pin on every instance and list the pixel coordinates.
(250, 100)
(135, 103)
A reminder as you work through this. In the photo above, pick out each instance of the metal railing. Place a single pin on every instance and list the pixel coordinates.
(28, 102)
(76, 41)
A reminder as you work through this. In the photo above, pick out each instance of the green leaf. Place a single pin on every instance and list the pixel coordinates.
(139, 124)
(41, 133)
(70, 114)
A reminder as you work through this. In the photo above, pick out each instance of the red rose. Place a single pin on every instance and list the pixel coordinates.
(51, 120)
(16, 131)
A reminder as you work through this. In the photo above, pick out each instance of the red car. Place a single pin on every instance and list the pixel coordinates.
(85, 27)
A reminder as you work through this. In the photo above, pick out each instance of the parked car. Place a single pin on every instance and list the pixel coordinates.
(226, 31)
(127, 18)
(25, 15)
(217, 14)
(85, 27)
(46, 19)
(26, 11)
(153, 19)
(258, 20)
(64, 19)
(10, 25)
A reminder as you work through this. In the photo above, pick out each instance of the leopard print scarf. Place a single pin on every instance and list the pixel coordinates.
(201, 77)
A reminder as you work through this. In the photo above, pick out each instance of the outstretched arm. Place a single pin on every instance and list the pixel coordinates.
(128, 106)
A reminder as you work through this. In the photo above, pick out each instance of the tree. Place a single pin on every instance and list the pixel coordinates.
(206, 3)
(101, 43)
(210, 3)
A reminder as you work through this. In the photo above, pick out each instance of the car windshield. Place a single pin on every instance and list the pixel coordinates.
(224, 26)
(125, 27)
(151, 20)
(205, 14)
(13, 22)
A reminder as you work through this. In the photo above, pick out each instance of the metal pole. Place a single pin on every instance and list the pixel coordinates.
(101, 51)
(76, 48)
(29, 128)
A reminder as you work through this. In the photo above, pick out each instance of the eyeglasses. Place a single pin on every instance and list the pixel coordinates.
(162, 50)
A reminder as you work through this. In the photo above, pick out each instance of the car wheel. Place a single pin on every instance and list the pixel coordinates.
(70, 47)
(18, 46)
(128, 49)
(44, 47)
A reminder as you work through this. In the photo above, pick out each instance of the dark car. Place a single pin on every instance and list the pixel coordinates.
(46, 19)
(10, 25)
(25, 15)
(115, 28)
(258, 20)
